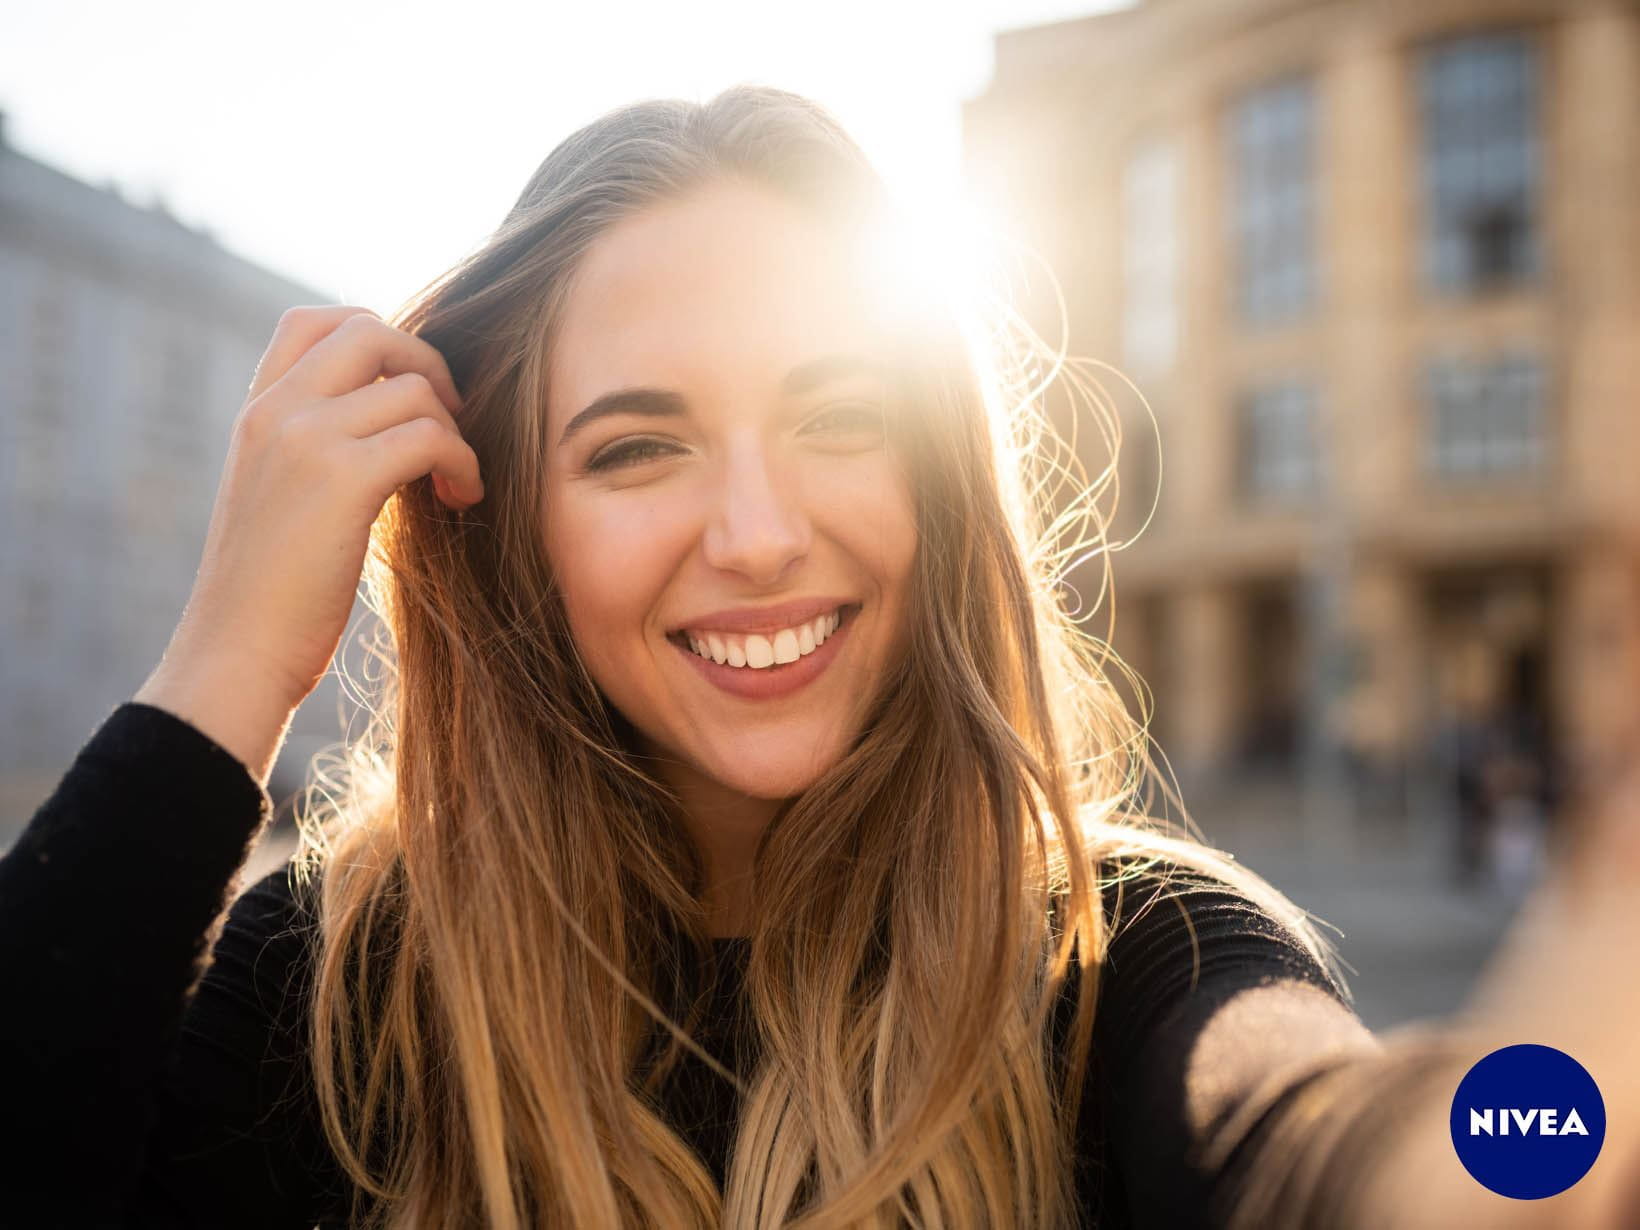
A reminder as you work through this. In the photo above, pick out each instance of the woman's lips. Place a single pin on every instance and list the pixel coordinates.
(771, 682)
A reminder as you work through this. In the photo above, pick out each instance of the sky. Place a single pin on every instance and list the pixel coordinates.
(362, 148)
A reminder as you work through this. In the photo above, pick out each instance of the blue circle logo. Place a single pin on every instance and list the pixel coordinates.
(1528, 1121)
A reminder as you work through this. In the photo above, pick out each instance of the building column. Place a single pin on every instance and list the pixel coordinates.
(1383, 719)
(1206, 650)
(1363, 180)
(1596, 658)
(1594, 254)
(1595, 250)
(1200, 439)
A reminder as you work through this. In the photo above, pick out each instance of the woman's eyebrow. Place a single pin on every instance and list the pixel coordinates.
(818, 372)
(664, 403)
(657, 403)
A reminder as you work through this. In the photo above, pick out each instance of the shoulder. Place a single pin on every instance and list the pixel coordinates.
(236, 1125)
(280, 908)
(262, 957)
(1208, 897)
(1215, 997)
(1188, 925)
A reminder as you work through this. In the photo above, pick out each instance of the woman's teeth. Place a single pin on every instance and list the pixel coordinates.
(757, 652)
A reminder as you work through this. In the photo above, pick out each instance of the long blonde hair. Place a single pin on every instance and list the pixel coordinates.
(507, 897)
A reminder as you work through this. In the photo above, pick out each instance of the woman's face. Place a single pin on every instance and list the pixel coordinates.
(719, 474)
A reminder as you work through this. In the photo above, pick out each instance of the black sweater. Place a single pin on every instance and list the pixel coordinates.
(157, 1064)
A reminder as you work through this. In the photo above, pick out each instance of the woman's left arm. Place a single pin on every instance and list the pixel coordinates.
(1566, 977)
(1252, 1096)
(1299, 1116)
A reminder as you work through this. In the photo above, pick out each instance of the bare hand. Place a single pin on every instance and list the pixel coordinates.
(344, 410)
(1569, 977)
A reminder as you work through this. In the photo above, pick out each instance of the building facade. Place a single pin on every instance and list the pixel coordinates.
(1376, 269)
(127, 343)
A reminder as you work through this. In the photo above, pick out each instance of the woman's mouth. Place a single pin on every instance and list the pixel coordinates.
(761, 667)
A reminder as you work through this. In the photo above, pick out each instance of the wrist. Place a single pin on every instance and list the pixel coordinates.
(230, 704)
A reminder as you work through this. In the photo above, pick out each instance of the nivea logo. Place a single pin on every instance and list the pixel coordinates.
(1540, 1119)
(1528, 1121)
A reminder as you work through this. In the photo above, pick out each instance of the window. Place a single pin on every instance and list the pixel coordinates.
(1481, 161)
(1272, 155)
(1486, 416)
(1150, 259)
(1280, 453)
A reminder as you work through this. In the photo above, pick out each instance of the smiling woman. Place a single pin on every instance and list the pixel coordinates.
(736, 322)
(744, 829)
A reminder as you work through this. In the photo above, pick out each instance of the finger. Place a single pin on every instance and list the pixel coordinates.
(385, 403)
(361, 348)
(366, 412)
(408, 451)
(298, 331)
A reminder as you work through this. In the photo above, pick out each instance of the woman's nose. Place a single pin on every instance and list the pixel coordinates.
(757, 525)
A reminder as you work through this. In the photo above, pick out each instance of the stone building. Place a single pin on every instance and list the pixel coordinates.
(1376, 269)
(127, 343)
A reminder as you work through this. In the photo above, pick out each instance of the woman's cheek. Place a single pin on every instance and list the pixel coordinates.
(632, 519)
(878, 496)
(857, 482)
(610, 547)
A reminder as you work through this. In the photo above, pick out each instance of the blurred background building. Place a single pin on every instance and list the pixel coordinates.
(1376, 269)
(127, 343)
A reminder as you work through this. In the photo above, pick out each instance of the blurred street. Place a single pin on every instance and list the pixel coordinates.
(1415, 941)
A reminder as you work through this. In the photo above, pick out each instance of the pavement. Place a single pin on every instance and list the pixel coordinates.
(1415, 941)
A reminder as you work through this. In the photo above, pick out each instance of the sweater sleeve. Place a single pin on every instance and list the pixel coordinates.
(1216, 1028)
(146, 1077)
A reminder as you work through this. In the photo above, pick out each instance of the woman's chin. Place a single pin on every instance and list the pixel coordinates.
(770, 786)
(769, 776)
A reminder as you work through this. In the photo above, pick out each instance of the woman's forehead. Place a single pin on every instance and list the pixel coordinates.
(731, 284)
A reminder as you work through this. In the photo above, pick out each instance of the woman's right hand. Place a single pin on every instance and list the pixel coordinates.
(1565, 977)
(318, 447)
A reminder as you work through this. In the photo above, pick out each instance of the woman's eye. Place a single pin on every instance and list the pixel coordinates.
(628, 452)
(846, 416)
(850, 415)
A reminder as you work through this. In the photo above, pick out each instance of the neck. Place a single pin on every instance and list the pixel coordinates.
(725, 826)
